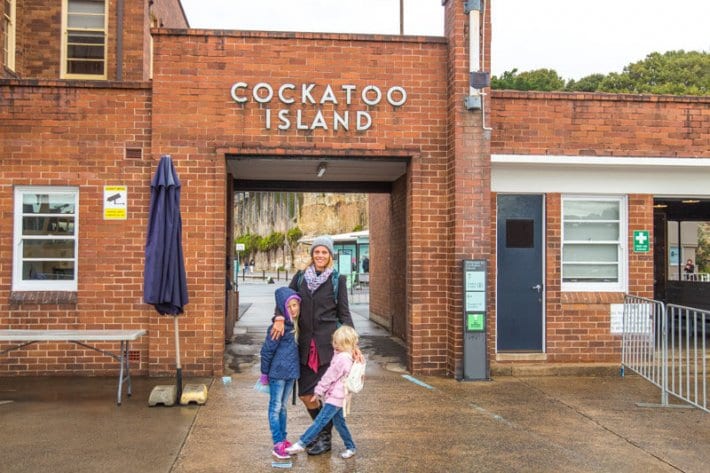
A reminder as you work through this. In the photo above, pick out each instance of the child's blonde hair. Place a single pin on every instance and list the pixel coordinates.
(345, 338)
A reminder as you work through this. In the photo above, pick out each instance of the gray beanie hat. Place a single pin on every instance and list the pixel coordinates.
(324, 240)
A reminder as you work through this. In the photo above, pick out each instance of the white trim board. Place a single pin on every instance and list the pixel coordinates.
(600, 175)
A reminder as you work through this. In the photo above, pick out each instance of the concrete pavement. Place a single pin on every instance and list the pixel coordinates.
(422, 424)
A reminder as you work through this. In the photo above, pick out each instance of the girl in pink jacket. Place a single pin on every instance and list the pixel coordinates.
(331, 393)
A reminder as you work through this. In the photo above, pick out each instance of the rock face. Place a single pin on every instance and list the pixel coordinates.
(332, 213)
(262, 213)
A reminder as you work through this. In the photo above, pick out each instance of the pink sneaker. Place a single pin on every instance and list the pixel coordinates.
(287, 444)
(279, 451)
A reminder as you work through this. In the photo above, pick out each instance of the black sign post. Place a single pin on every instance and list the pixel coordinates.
(475, 355)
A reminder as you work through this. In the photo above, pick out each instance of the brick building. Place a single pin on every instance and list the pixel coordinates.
(547, 189)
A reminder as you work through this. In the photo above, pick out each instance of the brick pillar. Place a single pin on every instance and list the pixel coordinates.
(469, 176)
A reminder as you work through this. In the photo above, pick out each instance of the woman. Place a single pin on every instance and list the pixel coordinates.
(322, 309)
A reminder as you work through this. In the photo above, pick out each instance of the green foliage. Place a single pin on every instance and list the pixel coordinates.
(539, 79)
(670, 73)
(585, 84)
(293, 235)
(357, 228)
(702, 253)
(250, 242)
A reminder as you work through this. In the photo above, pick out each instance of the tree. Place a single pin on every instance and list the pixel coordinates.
(292, 237)
(671, 73)
(588, 83)
(539, 79)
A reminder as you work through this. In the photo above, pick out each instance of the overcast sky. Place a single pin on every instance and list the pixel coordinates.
(576, 38)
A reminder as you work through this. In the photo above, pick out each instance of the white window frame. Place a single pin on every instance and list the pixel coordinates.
(65, 44)
(9, 33)
(618, 286)
(18, 284)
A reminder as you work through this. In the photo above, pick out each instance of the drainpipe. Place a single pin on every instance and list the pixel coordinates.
(119, 40)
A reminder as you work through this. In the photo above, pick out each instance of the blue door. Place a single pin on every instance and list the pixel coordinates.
(520, 291)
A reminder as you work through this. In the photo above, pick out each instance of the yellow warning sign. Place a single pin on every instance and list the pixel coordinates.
(115, 202)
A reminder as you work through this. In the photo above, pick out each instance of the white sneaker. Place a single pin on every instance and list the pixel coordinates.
(295, 448)
(348, 453)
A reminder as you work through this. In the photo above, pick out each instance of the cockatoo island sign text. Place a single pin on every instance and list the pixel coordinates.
(349, 112)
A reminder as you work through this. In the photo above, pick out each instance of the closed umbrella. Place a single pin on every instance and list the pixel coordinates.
(164, 282)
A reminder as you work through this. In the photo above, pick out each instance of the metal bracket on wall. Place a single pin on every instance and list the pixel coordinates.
(473, 102)
(470, 5)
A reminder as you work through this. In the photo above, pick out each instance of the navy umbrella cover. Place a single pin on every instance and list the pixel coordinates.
(164, 281)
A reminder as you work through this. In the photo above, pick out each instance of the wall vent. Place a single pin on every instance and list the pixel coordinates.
(134, 356)
(134, 153)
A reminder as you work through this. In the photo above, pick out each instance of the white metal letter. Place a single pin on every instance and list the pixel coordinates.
(376, 90)
(281, 93)
(233, 92)
(328, 95)
(285, 122)
(341, 120)
(269, 92)
(402, 92)
(348, 92)
(306, 93)
(368, 120)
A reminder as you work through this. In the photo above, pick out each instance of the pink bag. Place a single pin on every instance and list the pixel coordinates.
(313, 361)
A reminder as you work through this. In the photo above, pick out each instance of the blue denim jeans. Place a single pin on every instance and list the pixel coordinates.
(279, 392)
(328, 412)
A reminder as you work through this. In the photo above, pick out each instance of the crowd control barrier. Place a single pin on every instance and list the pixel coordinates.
(667, 345)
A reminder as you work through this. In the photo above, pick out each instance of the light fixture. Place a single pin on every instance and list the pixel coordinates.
(660, 206)
(321, 169)
(690, 201)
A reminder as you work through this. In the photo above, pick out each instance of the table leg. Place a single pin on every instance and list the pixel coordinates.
(120, 373)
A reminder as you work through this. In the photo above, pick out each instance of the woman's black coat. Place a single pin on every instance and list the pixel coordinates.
(320, 316)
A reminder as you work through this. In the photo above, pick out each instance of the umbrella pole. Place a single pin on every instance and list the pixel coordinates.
(177, 358)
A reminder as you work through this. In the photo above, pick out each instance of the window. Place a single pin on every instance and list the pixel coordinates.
(8, 34)
(46, 246)
(593, 249)
(84, 26)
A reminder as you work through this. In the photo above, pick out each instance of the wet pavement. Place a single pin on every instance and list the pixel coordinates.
(518, 423)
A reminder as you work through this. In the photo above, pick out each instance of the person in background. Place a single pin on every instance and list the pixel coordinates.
(689, 267)
(321, 313)
(280, 368)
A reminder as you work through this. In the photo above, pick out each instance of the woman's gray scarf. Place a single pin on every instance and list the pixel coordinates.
(313, 280)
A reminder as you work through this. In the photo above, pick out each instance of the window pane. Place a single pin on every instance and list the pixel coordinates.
(519, 233)
(86, 38)
(48, 225)
(56, 270)
(591, 210)
(86, 6)
(603, 231)
(94, 22)
(590, 273)
(85, 67)
(46, 249)
(48, 204)
(86, 52)
(590, 253)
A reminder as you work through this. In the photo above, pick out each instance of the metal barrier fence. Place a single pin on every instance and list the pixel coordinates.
(688, 354)
(667, 345)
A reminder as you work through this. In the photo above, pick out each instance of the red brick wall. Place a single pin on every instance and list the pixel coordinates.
(200, 124)
(380, 215)
(68, 134)
(39, 26)
(599, 124)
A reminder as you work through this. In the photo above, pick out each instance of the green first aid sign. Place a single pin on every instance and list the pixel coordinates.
(642, 242)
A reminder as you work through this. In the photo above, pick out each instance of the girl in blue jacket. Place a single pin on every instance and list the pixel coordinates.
(280, 368)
